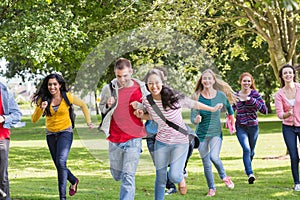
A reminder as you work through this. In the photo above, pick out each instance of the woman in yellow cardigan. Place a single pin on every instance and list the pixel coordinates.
(50, 102)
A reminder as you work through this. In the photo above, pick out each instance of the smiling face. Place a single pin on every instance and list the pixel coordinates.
(288, 75)
(54, 86)
(246, 83)
(124, 76)
(207, 80)
(155, 84)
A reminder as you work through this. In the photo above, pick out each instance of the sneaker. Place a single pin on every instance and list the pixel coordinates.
(297, 187)
(229, 184)
(171, 191)
(251, 179)
(211, 193)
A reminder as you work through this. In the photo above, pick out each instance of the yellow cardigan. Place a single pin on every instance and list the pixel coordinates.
(60, 120)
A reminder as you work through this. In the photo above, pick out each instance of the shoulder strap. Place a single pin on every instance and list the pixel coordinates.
(64, 95)
(159, 113)
(112, 91)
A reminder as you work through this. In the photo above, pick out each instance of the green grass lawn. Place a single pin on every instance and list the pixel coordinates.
(33, 176)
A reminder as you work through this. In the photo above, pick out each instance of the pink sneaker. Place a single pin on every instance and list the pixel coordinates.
(211, 193)
(228, 182)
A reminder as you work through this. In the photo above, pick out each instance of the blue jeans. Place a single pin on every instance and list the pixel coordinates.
(290, 134)
(150, 144)
(174, 155)
(247, 136)
(124, 158)
(4, 183)
(59, 145)
(209, 151)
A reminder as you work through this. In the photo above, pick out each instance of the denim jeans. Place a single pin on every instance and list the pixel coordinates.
(290, 134)
(124, 158)
(150, 145)
(247, 136)
(4, 183)
(174, 155)
(59, 145)
(209, 151)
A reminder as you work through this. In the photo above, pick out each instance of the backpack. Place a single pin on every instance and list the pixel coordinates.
(71, 109)
(112, 92)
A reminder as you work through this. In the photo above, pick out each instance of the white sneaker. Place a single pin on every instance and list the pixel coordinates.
(297, 187)
(251, 179)
(171, 191)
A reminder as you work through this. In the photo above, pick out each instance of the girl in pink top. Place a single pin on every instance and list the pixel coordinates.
(171, 146)
(287, 104)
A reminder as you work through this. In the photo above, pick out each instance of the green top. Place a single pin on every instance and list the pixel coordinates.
(210, 125)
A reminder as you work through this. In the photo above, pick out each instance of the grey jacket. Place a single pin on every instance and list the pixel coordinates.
(11, 109)
(106, 94)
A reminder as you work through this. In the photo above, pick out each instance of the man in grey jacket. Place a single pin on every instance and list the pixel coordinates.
(9, 116)
(123, 129)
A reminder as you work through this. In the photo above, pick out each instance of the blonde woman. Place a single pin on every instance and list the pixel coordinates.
(210, 91)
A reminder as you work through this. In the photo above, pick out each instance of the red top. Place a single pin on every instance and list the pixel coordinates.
(124, 124)
(4, 132)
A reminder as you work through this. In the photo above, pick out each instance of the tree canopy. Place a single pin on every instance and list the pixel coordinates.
(186, 36)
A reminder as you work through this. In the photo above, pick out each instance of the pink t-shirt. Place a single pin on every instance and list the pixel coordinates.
(124, 124)
(167, 134)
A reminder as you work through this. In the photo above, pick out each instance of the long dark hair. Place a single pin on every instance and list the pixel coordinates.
(280, 73)
(43, 93)
(169, 97)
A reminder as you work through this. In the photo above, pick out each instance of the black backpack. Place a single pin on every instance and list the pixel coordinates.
(71, 109)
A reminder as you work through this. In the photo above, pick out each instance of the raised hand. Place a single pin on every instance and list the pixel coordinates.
(44, 105)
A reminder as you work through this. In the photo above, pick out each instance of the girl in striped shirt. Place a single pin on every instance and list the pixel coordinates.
(171, 146)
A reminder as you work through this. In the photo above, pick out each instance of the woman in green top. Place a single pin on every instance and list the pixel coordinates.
(210, 90)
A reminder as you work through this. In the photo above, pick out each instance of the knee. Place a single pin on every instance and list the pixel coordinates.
(247, 152)
(215, 158)
(176, 178)
(61, 164)
(116, 174)
(128, 178)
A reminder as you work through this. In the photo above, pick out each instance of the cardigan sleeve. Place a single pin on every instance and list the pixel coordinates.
(37, 112)
(78, 102)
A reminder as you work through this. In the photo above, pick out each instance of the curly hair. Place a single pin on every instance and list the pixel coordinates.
(169, 96)
(43, 93)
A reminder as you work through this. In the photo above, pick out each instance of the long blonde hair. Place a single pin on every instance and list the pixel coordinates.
(219, 85)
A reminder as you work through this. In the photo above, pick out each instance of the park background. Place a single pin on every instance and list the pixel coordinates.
(81, 39)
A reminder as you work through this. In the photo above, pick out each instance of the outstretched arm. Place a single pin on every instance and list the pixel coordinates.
(201, 106)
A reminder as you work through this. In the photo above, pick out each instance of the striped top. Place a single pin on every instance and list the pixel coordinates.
(210, 125)
(167, 134)
(246, 111)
